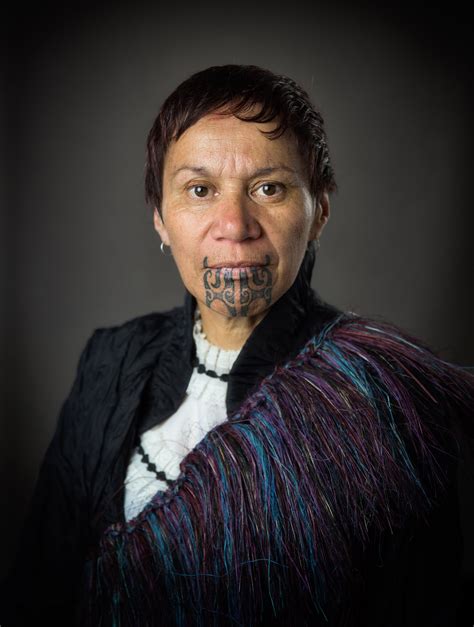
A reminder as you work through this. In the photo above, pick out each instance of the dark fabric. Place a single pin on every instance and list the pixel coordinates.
(133, 376)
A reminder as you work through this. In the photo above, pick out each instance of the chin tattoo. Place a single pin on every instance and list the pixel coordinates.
(238, 294)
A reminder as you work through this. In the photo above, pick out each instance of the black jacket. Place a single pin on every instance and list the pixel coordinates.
(133, 376)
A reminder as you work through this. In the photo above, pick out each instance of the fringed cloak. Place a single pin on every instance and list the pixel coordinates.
(273, 510)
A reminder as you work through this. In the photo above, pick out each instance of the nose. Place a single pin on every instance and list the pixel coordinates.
(235, 219)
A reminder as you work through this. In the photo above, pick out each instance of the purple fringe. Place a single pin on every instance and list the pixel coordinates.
(349, 440)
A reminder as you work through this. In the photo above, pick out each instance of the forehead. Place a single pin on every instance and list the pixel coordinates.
(226, 139)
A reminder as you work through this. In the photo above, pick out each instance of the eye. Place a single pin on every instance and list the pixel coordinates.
(201, 191)
(271, 189)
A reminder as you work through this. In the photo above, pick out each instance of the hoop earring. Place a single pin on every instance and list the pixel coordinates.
(163, 251)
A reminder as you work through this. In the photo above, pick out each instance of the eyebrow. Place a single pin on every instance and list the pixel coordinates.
(258, 172)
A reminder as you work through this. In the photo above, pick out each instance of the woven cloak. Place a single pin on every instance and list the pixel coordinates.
(273, 509)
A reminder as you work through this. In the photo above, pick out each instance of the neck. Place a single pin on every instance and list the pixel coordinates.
(229, 333)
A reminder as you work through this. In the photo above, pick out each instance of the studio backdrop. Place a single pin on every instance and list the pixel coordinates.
(78, 248)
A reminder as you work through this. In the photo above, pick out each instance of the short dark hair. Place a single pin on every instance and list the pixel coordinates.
(237, 88)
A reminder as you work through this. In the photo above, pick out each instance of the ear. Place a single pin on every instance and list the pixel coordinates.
(160, 227)
(321, 216)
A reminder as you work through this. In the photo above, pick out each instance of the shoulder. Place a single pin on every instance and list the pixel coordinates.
(113, 359)
(385, 361)
(108, 343)
(114, 356)
(389, 338)
(385, 346)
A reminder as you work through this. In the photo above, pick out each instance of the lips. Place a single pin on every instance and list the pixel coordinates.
(238, 272)
(237, 264)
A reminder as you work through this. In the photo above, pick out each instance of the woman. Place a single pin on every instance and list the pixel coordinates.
(256, 456)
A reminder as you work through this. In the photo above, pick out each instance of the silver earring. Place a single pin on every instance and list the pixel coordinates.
(163, 251)
(316, 245)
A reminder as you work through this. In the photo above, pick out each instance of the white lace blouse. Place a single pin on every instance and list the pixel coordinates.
(163, 447)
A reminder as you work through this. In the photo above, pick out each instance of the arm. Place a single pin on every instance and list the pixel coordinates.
(42, 580)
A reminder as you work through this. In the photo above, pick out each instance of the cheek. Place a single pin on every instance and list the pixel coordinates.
(295, 217)
(291, 232)
(181, 233)
(186, 250)
(291, 243)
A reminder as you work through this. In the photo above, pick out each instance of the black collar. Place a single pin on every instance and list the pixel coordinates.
(295, 317)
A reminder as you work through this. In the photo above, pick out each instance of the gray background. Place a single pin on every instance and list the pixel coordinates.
(78, 249)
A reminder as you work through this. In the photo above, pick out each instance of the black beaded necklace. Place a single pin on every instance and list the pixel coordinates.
(201, 369)
(151, 467)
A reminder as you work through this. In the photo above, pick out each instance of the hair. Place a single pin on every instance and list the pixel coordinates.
(236, 89)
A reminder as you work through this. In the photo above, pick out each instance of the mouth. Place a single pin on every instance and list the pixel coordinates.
(237, 272)
(241, 264)
(233, 266)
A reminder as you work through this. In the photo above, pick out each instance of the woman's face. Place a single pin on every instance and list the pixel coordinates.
(237, 213)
